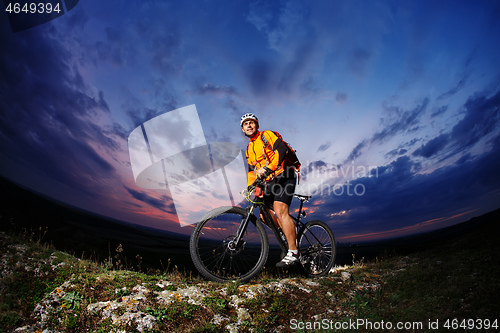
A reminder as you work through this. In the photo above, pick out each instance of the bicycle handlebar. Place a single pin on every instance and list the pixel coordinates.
(257, 182)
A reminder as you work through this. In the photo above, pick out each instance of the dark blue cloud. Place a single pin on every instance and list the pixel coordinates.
(315, 165)
(138, 114)
(432, 147)
(141, 115)
(265, 77)
(404, 121)
(399, 121)
(215, 89)
(397, 196)
(164, 203)
(324, 146)
(356, 152)
(482, 118)
(439, 111)
(459, 86)
(47, 112)
(396, 152)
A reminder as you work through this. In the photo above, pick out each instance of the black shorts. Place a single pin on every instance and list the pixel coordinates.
(281, 189)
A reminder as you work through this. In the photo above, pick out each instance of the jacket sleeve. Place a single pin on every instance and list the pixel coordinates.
(278, 147)
(251, 174)
(251, 170)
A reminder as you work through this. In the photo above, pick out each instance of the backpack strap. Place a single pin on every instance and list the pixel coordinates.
(266, 143)
(264, 139)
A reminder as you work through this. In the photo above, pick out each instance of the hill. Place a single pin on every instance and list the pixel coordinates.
(450, 285)
(84, 234)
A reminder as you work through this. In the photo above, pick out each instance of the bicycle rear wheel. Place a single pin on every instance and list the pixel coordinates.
(317, 248)
(214, 253)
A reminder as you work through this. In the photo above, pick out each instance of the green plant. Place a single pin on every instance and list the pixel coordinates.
(215, 304)
(280, 304)
(207, 328)
(105, 326)
(187, 311)
(232, 287)
(71, 321)
(72, 300)
(359, 302)
(122, 292)
(159, 314)
(253, 304)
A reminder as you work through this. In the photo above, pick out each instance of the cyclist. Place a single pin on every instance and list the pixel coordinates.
(268, 161)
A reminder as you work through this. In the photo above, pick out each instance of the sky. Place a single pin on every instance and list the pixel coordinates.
(393, 106)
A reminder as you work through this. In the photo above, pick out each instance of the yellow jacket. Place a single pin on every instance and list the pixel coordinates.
(260, 155)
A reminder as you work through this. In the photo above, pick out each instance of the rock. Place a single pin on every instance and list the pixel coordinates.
(243, 315)
(346, 277)
(232, 328)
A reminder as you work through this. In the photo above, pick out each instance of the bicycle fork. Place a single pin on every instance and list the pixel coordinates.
(236, 243)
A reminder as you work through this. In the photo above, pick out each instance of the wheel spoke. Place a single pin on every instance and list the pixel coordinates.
(217, 258)
(317, 248)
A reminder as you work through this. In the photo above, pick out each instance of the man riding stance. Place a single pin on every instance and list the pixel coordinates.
(266, 155)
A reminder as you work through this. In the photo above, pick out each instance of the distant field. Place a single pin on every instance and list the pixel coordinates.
(93, 237)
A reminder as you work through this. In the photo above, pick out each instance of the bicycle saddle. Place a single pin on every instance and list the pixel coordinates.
(302, 197)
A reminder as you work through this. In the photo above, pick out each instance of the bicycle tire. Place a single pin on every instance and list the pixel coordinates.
(209, 249)
(317, 248)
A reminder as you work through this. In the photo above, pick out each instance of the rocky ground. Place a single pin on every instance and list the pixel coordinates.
(453, 281)
(81, 296)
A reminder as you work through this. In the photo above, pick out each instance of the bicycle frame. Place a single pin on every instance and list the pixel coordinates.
(269, 222)
(221, 253)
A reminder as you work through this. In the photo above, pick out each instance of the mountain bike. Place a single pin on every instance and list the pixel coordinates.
(230, 243)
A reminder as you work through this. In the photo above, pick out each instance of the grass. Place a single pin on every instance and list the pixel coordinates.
(457, 279)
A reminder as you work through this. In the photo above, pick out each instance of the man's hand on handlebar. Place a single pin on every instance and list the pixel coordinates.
(263, 172)
(258, 184)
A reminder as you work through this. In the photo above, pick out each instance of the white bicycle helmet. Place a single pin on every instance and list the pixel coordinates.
(247, 116)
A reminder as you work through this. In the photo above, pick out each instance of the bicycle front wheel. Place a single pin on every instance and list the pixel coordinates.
(214, 252)
(317, 248)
